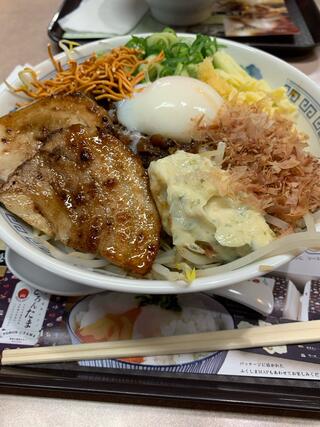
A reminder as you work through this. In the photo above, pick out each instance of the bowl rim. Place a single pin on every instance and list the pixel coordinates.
(128, 284)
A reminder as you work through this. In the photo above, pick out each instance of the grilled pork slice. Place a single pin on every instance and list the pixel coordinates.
(23, 132)
(89, 191)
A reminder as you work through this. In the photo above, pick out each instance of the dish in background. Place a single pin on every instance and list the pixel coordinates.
(180, 12)
(18, 236)
(113, 316)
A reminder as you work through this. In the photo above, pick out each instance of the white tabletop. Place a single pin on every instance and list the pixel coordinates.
(17, 411)
(23, 33)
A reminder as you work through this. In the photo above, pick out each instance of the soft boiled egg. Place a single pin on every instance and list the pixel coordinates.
(171, 107)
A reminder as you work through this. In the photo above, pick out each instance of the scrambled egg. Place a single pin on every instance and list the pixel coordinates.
(185, 188)
(233, 83)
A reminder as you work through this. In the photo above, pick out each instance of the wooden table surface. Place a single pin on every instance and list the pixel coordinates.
(23, 32)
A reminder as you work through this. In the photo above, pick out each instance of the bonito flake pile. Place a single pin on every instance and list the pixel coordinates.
(269, 157)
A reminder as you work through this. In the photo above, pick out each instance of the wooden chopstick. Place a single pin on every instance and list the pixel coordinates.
(235, 339)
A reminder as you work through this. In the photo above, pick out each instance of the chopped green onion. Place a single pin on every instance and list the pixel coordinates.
(169, 30)
(181, 56)
(179, 49)
(138, 43)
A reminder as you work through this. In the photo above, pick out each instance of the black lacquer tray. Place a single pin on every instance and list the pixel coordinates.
(286, 397)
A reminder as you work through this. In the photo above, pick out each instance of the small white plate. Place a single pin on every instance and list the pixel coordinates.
(43, 280)
(150, 321)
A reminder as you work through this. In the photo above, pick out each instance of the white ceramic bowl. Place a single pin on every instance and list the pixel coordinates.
(180, 12)
(302, 91)
(258, 295)
(149, 323)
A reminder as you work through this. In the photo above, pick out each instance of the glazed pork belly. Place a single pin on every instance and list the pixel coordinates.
(23, 132)
(70, 178)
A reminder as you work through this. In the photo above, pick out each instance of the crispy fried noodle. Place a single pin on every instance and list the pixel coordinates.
(112, 75)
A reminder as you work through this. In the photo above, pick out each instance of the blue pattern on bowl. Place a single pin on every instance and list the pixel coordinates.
(307, 104)
(23, 230)
(254, 71)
